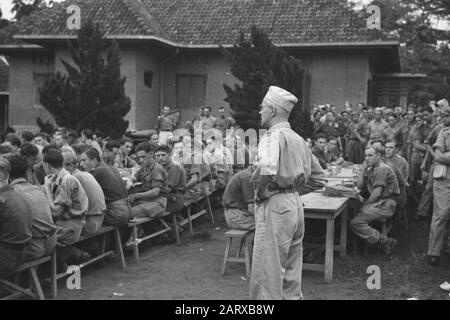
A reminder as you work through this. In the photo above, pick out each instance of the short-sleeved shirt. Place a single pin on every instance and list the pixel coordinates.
(419, 134)
(112, 184)
(124, 161)
(383, 176)
(400, 163)
(208, 122)
(69, 193)
(43, 225)
(152, 175)
(332, 130)
(286, 169)
(165, 123)
(239, 191)
(332, 155)
(176, 178)
(377, 129)
(320, 155)
(223, 124)
(390, 133)
(94, 192)
(15, 217)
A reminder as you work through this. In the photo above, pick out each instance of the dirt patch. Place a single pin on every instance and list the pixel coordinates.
(192, 271)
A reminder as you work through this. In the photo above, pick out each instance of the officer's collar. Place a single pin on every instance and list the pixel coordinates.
(280, 125)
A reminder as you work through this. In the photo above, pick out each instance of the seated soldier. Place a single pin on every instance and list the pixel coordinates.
(319, 149)
(220, 160)
(333, 155)
(379, 180)
(150, 202)
(124, 160)
(31, 154)
(94, 192)
(15, 223)
(43, 242)
(197, 172)
(68, 203)
(118, 211)
(238, 201)
(176, 179)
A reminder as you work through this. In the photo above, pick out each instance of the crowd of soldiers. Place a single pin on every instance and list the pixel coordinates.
(413, 142)
(59, 188)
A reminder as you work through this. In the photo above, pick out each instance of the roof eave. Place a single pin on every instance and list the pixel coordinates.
(358, 44)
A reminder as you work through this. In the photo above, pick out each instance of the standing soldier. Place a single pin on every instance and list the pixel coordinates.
(165, 124)
(223, 122)
(441, 191)
(284, 165)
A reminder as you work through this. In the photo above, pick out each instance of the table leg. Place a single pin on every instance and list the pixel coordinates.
(329, 249)
(343, 242)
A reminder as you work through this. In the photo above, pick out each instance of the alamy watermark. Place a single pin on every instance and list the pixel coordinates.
(374, 280)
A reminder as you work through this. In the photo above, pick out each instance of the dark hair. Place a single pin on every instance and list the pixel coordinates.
(320, 136)
(427, 109)
(125, 140)
(50, 147)
(146, 147)
(73, 134)
(4, 149)
(28, 136)
(331, 138)
(29, 150)
(13, 139)
(80, 148)
(43, 135)
(18, 166)
(163, 148)
(220, 108)
(209, 108)
(54, 158)
(111, 144)
(375, 141)
(390, 141)
(92, 154)
(88, 133)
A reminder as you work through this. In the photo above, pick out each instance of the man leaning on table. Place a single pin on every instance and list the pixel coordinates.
(279, 220)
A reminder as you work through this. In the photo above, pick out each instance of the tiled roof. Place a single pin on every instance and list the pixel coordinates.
(209, 22)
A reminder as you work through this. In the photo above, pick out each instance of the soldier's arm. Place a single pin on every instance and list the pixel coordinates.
(375, 195)
(158, 124)
(442, 157)
(147, 195)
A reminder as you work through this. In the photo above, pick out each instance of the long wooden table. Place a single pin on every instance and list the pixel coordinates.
(321, 207)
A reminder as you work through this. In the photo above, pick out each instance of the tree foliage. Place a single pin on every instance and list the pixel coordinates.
(91, 94)
(423, 48)
(23, 8)
(259, 64)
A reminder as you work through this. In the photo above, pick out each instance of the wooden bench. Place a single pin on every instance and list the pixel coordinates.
(35, 291)
(103, 253)
(205, 207)
(136, 222)
(243, 236)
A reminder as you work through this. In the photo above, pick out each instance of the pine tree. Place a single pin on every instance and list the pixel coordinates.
(23, 8)
(91, 95)
(258, 64)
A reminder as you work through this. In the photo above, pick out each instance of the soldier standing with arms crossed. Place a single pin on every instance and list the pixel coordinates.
(284, 165)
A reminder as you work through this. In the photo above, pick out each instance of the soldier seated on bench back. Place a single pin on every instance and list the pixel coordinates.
(43, 242)
(148, 201)
(238, 201)
(15, 223)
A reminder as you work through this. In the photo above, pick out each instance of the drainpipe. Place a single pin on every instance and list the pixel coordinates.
(161, 76)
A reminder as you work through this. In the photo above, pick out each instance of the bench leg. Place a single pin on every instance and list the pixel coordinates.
(208, 208)
(191, 230)
(53, 276)
(175, 228)
(225, 257)
(135, 245)
(36, 283)
(247, 256)
(103, 243)
(119, 248)
(241, 245)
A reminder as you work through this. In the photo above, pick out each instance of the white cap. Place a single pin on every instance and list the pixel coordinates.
(443, 103)
(280, 98)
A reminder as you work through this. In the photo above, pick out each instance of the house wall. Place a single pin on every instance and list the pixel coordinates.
(23, 111)
(339, 76)
(210, 64)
